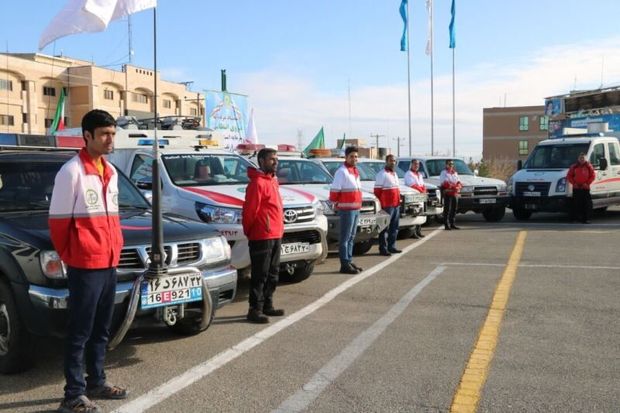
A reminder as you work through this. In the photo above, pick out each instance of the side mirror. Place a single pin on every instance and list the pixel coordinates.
(144, 184)
(519, 165)
(602, 163)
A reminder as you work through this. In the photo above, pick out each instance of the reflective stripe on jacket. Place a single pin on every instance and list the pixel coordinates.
(346, 189)
(83, 219)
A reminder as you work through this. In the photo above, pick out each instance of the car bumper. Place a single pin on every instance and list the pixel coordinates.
(365, 231)
(542, 204)
(478, 204)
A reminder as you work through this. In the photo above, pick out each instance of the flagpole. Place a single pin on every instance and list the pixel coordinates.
(453, 110)
(409, 80)
(432, 85)
(157, 263)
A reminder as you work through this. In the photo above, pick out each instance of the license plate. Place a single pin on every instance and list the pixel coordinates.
(294, 248)
(526, 193)
(488, 201)
(171, 290)
(366, 221)
(530, 206)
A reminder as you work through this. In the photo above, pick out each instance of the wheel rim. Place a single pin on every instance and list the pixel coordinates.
(5, 330)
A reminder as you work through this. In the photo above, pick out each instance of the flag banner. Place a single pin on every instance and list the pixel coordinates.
(344, 138)
(452, 33)
(227, 114)
(250, 135)
(403, 13)
(59, 117)
(317, 143)
(429, 38)
(81, 16)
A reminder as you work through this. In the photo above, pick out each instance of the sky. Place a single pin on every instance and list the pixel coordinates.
(337, 64)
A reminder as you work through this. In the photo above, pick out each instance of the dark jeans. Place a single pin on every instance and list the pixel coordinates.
(391, 231)
(450, 204)
(348, 229)
(265, 257)
(91, 304)
(581, 205)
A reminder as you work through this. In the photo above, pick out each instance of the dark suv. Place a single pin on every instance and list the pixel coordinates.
(33, 285)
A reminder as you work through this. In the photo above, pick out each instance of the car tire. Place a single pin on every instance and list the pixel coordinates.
(361, 248)
(494, 214)
(301, 272)
(190, 324)
(16, 343)
(521, 214)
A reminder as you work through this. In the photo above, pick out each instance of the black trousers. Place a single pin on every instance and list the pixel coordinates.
(581, 205)
(450, 204)
(265, 258)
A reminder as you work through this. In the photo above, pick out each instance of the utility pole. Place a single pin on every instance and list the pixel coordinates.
(377, 136)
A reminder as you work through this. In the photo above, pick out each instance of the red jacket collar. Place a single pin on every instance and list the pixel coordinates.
(91, 168)
(351, 169)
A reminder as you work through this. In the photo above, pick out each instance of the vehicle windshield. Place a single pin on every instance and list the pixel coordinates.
(202, 169)
(369, 170)
(300, 171)
(27, 186)
(555, 156)
(435, 166)
(332, 166)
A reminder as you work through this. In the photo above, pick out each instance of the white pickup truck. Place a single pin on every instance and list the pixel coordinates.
(202, 182)
(540, 183)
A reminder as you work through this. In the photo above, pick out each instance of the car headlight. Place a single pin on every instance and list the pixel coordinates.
(216, 249)
(409, 198)
(218, 215)
(326, 207)
(467, 189)
(509, 185)
(52, 266)
(561, 185)
(438, 194)
(420, 198)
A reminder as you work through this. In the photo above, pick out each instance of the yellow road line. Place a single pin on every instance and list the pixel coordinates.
(467, 395)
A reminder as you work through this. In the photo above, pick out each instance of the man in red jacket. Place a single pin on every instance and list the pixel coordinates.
(85, 230)
(581, 175)
(263, 224)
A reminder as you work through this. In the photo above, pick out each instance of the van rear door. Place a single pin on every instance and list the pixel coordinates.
(599, 187)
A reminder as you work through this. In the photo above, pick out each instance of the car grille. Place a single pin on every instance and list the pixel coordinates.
(485, 191)
(167, 251)
(368, 207)
(311, 237)
(136, 258)
(542, 187)
(298, 215)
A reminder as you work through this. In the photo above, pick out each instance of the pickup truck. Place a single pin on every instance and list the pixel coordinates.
(33, 284)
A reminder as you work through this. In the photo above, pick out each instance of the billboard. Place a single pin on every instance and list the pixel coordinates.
(227, 113)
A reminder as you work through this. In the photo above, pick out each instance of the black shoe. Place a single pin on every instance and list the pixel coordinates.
(447, 228)
(348, 269)
(585, 222)
(418, 232)
(394, 251)
(257, 317)
(454, 227)
(358, 268)
(273, 312)
(385, 253)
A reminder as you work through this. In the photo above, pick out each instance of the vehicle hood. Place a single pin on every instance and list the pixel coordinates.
(233, 196)
(369, 186)
(539, 175)
(472, 180)
(321, 191)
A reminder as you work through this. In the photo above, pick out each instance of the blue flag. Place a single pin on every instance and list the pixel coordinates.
(403, 13)
(452, 34)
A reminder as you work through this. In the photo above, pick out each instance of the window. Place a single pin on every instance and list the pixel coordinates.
(140, 98)
(7, 120)
(6, 84)
(193, 111)
(108, 94)
(614, 156)
(597, 153)
(524, 123)
(167, 103)
(49, 91)
(543, 123)
(24, 85)
(523, 148)
(24, 118)
(48, 122)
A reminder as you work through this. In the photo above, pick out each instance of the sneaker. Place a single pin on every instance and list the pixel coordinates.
(348, 269)
(357, 267)
(107, 391)
(257, 317)
(275, 312)
(394, 251)
(81, 404)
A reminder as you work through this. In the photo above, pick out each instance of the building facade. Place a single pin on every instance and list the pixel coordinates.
(510, 133)
(31, 85)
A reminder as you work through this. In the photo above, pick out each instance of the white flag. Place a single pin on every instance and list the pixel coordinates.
(250, 133)
(429, 37)
(90, 16)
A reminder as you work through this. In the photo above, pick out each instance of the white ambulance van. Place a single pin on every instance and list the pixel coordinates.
(203, 182)
(540, 183)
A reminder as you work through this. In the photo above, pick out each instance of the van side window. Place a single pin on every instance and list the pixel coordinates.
(141, 169)
(614, 156)
(597, 153)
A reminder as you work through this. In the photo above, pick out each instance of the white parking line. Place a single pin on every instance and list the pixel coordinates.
(489, 264)
(329, 372)
(180, 382)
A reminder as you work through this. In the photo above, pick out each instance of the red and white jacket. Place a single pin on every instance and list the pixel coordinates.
(449, 182)
(263, 213)
(83, 219)
(415, 180)
(581, 176)
(346, 190)
(387, 188)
